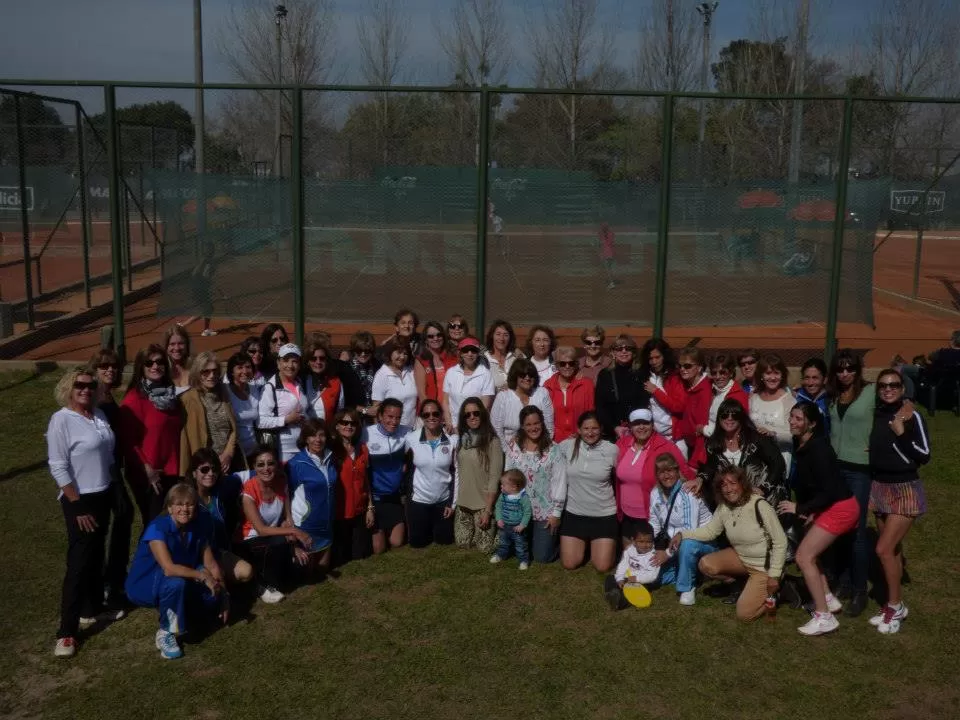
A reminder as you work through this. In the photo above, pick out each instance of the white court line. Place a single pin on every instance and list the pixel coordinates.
(913, 236)
(519, 233)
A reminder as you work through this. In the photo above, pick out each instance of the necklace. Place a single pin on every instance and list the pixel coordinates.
(737, 513)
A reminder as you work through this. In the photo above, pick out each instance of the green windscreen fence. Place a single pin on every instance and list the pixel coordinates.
(751, 252)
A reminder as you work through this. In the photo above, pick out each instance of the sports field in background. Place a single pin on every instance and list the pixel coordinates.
(441, 633)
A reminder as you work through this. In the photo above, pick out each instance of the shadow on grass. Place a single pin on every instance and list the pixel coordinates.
(16, 472)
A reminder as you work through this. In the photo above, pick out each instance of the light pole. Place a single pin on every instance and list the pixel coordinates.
(198, 159)
(280, 13)
(706, 10)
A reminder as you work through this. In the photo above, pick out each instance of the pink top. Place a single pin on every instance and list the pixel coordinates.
(606, 243)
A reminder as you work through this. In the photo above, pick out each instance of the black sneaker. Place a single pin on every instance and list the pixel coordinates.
(733, 596)
(614, 596)
(857, 604)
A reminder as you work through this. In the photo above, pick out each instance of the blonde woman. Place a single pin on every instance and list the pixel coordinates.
(80, 448)
(208, 415)
(176, 344)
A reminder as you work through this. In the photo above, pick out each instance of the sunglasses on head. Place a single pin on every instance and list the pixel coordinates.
(471, 414)
(155, 362)
(566, 363)
(455, 326)
(85, 385)
(205, 469)
(430, 414)
(896, 385)
(592, 343)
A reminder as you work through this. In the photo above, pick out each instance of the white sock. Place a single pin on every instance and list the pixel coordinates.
(897, 607)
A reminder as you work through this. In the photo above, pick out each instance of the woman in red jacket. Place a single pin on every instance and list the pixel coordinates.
(668, 398)
(723, 371)
(354, 509)
(150, 422)
(571, 393)
(696, 409)
(431, 364)
(636, 472)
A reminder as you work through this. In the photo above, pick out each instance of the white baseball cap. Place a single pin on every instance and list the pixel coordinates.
(641, 415)
(289, 349)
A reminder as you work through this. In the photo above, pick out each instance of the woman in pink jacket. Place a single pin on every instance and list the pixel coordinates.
(636, 472)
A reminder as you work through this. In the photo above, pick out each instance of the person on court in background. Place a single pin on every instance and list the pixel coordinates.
(495, 225)
(202, 280)
(605, 239)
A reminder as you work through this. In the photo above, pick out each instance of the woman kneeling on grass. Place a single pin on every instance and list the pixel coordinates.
(827, 505)
(313, 474)
(758, 543)
(174, 570)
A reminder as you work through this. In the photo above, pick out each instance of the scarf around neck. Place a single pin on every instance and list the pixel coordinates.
(163, 397)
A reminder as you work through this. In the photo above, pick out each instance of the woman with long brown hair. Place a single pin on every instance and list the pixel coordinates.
(479, 466)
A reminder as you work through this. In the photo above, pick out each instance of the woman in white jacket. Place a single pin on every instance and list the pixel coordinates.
(284, 403)
(523, 389)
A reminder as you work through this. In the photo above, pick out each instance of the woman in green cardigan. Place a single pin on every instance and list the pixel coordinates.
(851, 420)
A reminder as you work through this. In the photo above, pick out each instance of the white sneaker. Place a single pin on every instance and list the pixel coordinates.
(494, 559)
(891, 619)
(688, 597)
(877, 619)
(87, 622)
(65, 647)
(271, 595)
(819, 624)
(524, 565)
(834, 605)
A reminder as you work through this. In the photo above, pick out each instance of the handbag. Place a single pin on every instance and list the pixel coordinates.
(267, 437)
(662, 540)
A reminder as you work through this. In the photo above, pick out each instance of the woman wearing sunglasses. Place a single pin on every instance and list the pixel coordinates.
(218, 497)
(354, 516)
(457, 330)
(271, 542)
(479, 466)
(363, 361)
(852, 407)
(254, 350)
(523, 390)
(747, 362)
(432, 363)
(272, 339)
(151, 419)
(107, 369)
(80, 448)
(620, 389)
(469, 378)
(312, 482)
(571, 394)
(594, 358)
(899, 445)
(430, 510)
(325, 391)
(208, 415)
(696, 405)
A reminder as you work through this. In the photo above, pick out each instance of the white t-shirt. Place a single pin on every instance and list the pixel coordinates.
(775, 415)
(458, 386)
(388, 383)
(433, 467)
(505, 413)
(247, 413)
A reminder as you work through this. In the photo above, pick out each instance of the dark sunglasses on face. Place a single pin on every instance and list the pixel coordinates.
(85, 385)
(254, 351)
(729, 415)
(623, 348)
(464, 351)
(890, 385)
(318, 358)
(687, 366)
(155, 362)
(528, 376)
(566, 363)
(347, 423)
(277, 340)
(592, 343)
(363, 351)
(455, 326)
(744, 363)
(847, 369)
(433, 336)
(205, 469)
(430, 414)
(471, 414)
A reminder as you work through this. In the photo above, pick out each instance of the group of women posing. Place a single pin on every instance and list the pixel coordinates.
(299, 459)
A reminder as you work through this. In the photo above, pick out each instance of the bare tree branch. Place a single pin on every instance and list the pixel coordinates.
(666, 57)
(476, 41)
(383, 32)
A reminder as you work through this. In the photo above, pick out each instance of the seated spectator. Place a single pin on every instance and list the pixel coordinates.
(638, 565)
(175, 570)
(758, 545)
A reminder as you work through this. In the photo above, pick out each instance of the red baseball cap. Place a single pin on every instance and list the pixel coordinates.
(468, 342)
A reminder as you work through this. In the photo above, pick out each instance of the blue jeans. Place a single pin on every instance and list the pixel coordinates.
(682, 567)
(510, 540)
(859, 483)
(546, 544)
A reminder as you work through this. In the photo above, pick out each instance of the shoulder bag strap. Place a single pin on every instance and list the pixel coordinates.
(766, 561)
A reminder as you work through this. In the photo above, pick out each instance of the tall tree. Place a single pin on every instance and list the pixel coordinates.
(476, 41)
(45, 138)
(666, 56)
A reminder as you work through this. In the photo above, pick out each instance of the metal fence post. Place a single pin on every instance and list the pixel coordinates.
(116, 237)
(296, 226)
(919, 253)
(24, 212)
(483, 163)
(663, 225)
(839, 222)
(84, 210)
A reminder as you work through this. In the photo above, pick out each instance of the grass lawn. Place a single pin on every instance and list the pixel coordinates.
(441, 633)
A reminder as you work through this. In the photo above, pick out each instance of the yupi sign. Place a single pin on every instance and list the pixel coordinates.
(910, 201)
(10, 198)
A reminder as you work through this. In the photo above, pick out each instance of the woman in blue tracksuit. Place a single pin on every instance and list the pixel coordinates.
(387, 450)
(312, 482)
(175, 571)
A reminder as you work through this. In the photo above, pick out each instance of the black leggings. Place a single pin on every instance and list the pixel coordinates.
(271, 557)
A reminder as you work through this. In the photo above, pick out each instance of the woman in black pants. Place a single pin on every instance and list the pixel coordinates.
(271, 542)
(80, 447)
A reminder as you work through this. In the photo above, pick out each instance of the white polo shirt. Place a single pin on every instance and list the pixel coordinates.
(433, 467)
(458, 386)
(388, 383)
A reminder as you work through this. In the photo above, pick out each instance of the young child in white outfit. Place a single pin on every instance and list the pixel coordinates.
(636, 566)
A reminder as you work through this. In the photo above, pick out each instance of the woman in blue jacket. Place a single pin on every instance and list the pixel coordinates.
(386, 444)
(312, 481)
(175, 570)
